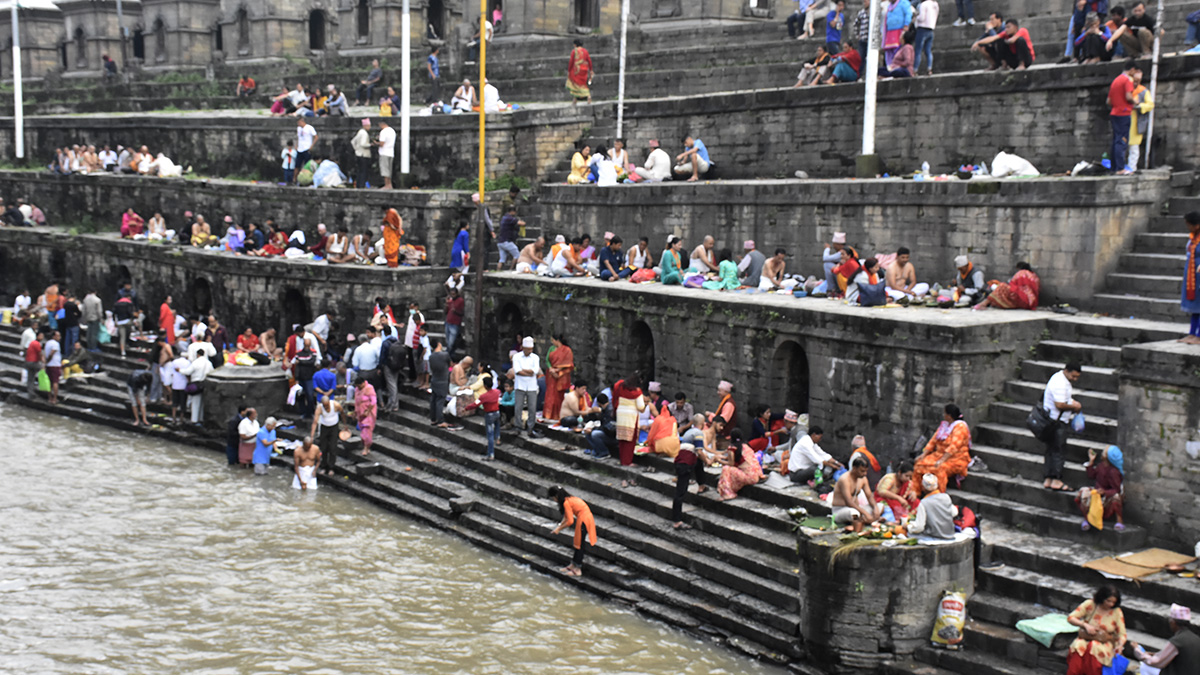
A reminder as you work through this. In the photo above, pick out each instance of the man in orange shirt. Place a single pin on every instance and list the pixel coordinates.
(246, 86)
(1120, 98)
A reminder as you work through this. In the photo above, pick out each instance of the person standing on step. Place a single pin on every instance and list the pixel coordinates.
(33, 362)
(52, 361)
(1182, 652)
(574, 512)
(629, 402)
(1190, 301)
(362, 155)
(325, 428)
(1060, 407)
(687, 466)
(526, 367)
(439, 383)
(139, 387)
(489, 400)
(456, 309)
(366, 409)
(579, 74)
(264, 446)
(306, 136)
(93, 315)
(435, 76)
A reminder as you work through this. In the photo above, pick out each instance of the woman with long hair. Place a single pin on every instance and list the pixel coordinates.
(629, 402)
(575, 512)
(1101, 626)
(741, 469)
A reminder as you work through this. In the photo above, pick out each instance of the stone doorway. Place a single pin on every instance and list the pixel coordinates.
(435, 20)
(363, 19)
(642, 355)
(788, 386)
(201, 296)
(587, 13)
(316, 30)
(139, 44)
(295, 311)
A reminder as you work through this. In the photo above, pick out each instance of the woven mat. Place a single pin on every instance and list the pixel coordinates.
(1118, 568)
(1156, 558)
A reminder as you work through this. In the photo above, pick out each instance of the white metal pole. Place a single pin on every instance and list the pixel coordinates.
(405, 85)
(871, 70)
(1153, 84)
(121, 32)
(18, 102)
(621, 71)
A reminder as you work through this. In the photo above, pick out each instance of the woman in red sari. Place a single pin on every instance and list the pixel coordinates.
(276, 244)
(579, 74)
(558, 377)
(629, 402)
(1021, 292)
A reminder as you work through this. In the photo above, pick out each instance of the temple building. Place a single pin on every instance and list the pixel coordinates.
(41, 24)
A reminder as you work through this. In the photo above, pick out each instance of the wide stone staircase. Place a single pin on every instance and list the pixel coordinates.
(1147, 283)
(733, 578)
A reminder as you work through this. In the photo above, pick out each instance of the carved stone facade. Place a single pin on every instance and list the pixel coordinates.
(178, 33)
(90, 29)
(41, 26)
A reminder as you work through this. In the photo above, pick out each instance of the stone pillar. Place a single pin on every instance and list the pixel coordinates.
(870, 604)
(227, 387)
(1158, 417)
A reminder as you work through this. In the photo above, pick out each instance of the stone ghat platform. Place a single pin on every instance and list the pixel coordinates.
(431, 217)
(241, 290)
(1072, 230)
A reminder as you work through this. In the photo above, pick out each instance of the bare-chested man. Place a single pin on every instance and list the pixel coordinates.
(702, 257)
(848, 511)
(901, 278)
(531, 259)
(772, 273)
(305, 459)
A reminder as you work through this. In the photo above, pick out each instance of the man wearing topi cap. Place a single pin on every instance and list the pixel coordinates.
(526, 367)
(658, 165)
(1182, 652)
(751, 266)
(969, 281)
(831, 257)
(362, 154)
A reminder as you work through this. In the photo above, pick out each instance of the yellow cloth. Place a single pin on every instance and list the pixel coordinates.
(1095, 516)
(579, 169)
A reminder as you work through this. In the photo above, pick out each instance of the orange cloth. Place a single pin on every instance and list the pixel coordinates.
(663, 436)
(166, 322)
(393, 229)
(579, 515)
(556, 387)
(951, 442)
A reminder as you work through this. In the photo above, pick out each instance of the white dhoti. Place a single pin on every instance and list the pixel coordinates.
(765, 284)
(918, 291)
(308, 474)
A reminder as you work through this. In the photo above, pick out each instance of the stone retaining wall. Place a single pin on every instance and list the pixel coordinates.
(1071, 230)
(241, 291)
(885, 373)
(431, 218)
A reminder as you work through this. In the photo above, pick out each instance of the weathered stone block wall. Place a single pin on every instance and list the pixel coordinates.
(1071, 230)
(1159, 415)
(98, 20)
(874, 604)
(241, 291)
(444, 148)
(884, 373)
(41, 31)
(431, 218)
(187, 32)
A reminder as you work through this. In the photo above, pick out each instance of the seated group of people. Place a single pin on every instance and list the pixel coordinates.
(308, 102)
(21, 214)
(606, 167)
(81, 159)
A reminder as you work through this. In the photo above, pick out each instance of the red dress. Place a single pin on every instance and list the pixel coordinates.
(557, 386)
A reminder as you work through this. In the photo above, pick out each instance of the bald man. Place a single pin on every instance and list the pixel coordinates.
(702, 257)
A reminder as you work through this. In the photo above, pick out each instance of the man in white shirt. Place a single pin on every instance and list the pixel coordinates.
(108, 159)
(306, 135)
(658, 165)
(491, 98)
(807, 458)
(52, 360)
(22, 303)
(297, 96)
(526, 367)
(1058, 403)
(366, 357)
(362, 154)
(387, 151)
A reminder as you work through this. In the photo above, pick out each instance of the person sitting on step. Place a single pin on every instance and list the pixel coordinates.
(1106, 499)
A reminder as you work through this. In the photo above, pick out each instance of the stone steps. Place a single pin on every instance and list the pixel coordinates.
(1157, 286)
(1161, 242)
(1056, 523)
(1151, 263)
(1094, 402)
(1101, 330)
(1101, 379)
(1005, 462)
(1104, 356)
(1144, 307)
(1097, 428)
(1182, 205)
(971, 662)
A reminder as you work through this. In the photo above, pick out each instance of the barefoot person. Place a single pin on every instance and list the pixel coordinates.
(305, 460)
(139, 387)
(574, 512)
(1190, 302)
(852, 488)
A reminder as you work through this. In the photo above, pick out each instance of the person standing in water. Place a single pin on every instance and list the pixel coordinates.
(574, 512)
(304, 460)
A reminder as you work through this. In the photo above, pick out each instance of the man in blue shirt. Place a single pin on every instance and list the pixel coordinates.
(325, 381)
(612, 263)
(435, 76)
(264, 445)
(693, 160)
(834, 21)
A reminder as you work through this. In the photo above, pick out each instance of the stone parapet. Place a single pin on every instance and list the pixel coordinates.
(1159, 420)
(1072, 231)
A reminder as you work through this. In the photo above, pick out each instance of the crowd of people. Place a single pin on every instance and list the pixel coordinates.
(84, 160)
(870, 281)
(611, 166)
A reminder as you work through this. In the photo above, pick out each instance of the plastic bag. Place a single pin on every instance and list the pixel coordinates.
(1012, 165)
(948, 626)
(105, 335)
(43, 380)
(1077, 423)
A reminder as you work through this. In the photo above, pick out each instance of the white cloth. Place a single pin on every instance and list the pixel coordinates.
(196, 348)
(531, 363)
(1058, 390)
(22, 302)
(361, 143)
(198, 370)
(52, 352)
(491, 99)
(606, 173)
(657, 167)
(927, 14)
(179, 379)
(308, 475)
(387, 137)
(806, 455)
(320, 327)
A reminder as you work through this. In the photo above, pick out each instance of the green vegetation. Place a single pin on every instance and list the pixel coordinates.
(86, 224)
(490, 184)
(191, 76)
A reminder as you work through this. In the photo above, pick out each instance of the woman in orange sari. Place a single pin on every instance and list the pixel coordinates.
(393, 229)
(663, 436)
(166, 321)
(579, 74)
(1021, 292)
(558, 377)
(947, 453)
(575, 512)
(727, 408)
